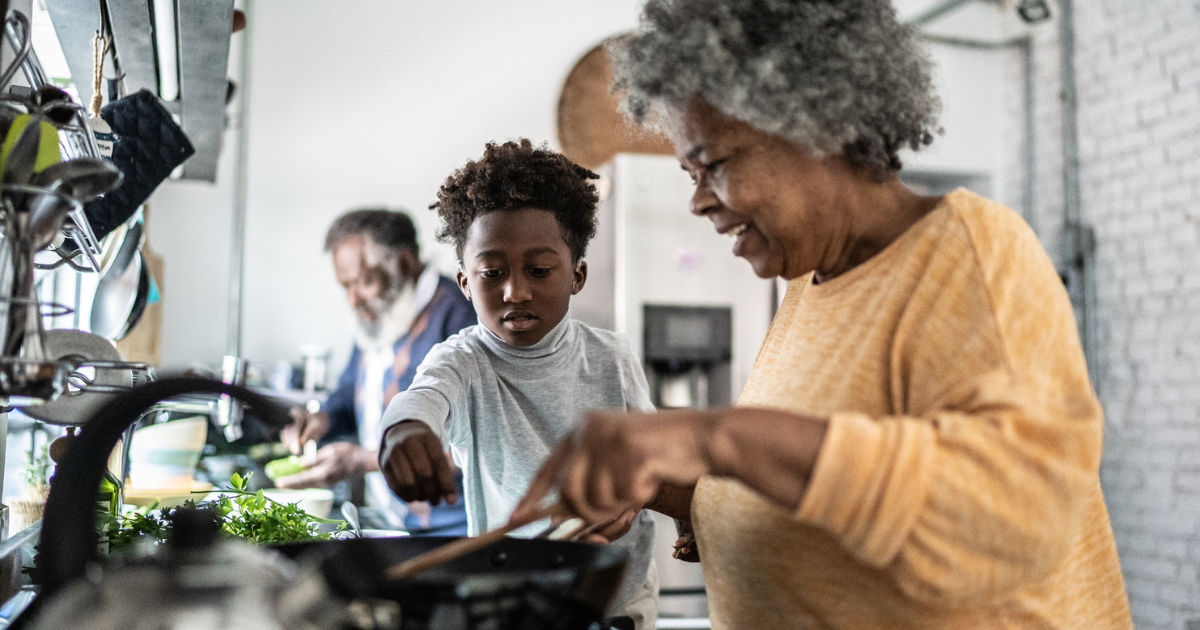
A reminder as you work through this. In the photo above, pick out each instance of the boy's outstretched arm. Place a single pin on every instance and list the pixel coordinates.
(417, 468)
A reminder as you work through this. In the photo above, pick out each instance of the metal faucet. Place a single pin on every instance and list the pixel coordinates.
(230, 411)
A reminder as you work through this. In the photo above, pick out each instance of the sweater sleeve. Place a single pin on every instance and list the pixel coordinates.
(980, 482)
(437, 388)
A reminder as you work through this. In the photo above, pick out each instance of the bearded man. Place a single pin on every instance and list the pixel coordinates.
(402, 307)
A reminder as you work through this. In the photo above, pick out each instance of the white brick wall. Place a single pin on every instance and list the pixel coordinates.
(1138, 76)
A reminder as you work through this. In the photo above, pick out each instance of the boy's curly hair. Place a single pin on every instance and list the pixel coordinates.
(517, 175)
(831, 76)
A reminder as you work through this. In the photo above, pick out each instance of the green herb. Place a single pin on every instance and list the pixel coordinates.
(242, 514)
(38, 467)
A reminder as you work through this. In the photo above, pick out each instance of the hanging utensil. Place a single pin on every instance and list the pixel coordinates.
(26, 376)
(82, 178)
(139, 301)
(46, 213)
(67, 185)
(18, 27)
(19, 155)
(116, 293)
(23, 334)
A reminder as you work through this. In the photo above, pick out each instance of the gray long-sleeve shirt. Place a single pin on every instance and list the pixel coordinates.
(502, 409)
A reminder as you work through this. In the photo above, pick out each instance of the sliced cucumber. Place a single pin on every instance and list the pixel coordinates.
(283, 467)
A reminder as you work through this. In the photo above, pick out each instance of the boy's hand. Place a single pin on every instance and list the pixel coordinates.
(417, 469)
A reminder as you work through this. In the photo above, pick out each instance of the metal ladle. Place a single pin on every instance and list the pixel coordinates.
(82, 178)
(66, 184)
(46, 213)
(350, 513)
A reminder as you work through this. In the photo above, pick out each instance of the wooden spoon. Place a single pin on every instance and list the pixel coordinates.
(464, 546)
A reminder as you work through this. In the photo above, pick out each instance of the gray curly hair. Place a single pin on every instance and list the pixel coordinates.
(831, 76)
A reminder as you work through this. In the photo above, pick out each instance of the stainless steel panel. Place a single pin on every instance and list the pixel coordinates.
(75, 24)
(204, 30)
(134, 45)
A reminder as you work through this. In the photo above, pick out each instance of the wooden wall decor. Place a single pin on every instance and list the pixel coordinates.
(591, 129)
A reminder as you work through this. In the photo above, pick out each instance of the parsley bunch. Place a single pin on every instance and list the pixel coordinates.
(242, 514)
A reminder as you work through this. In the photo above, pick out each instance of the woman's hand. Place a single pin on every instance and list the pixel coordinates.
(616, 462)
(614, 529)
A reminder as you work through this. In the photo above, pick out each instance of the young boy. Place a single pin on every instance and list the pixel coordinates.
(504, 393)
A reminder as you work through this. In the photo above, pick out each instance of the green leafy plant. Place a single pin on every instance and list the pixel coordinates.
(242, 514)
(37, 468)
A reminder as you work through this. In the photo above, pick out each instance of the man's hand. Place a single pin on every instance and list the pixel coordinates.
(332, 464)
(417, 468)
(305, 426)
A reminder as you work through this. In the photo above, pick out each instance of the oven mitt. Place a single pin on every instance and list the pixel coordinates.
(147, 146)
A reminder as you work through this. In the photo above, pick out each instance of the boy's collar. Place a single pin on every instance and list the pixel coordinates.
(547, 346)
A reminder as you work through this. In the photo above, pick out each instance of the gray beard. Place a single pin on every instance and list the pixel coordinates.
(396, 311)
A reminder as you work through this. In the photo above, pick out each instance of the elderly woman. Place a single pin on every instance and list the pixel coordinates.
(918, 443)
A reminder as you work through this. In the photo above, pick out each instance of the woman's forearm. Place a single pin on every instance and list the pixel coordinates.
(773, 452)
(673, 501)
(621, 460)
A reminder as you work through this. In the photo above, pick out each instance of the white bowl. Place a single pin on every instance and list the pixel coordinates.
(374, 533)
(316, 501)
(167, 497)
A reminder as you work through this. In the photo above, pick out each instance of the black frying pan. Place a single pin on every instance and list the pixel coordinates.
(516, 583)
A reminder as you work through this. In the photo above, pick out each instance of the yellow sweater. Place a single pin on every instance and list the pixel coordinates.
(958, 484)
